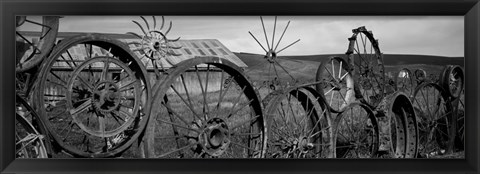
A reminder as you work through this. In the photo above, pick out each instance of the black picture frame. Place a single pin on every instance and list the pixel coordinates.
(470, 9)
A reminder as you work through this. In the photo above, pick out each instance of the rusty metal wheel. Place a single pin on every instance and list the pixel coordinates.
(31, 52)
(420, 76)
(453, 80)
(93, 96)
(356, 132)
(398, 126)
(336, 83)
(30, 137)
(206, 108)
(365, 58)
(404, 81)
(299, 124)
(434, 113)
(459, 103)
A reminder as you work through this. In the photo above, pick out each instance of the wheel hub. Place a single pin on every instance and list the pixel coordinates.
(337, 86)
(271, 56)
(106, 97)
(215, 137)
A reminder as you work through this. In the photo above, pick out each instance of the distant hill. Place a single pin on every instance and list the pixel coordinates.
(304, 68)
(389, 59)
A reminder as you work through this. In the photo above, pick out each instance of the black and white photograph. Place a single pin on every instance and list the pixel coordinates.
(316, 87)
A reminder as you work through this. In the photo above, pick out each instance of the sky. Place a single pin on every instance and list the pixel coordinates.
(425, 35)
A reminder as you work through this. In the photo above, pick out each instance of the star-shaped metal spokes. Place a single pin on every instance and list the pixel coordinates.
(271, 52)
(154, 43)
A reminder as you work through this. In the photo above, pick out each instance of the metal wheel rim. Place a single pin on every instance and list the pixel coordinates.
(196, 126)
(453, 80)
(111, 112)
(109, 47)
(420, 76)
(313, 140)
(369, 71)
(342, 124)
(341, 84)
(45, 44)
(435, 134)
(34, 139)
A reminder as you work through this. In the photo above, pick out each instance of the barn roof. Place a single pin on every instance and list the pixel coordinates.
(189, 49)
(195, 48)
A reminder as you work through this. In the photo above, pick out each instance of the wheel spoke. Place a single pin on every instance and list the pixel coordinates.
(177, 150)
(87, 104)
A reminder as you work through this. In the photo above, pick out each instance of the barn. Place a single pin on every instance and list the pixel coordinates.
(190, 49)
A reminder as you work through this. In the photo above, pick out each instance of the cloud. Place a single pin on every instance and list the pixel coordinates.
(430, 35)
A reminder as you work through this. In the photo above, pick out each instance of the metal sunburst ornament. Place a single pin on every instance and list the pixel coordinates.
(271, 53)
(154, 43)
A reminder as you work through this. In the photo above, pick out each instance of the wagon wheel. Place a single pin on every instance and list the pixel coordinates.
(460, 111)
(206, 108)
(336, 83)
(278, 76)
(420, 76)
(29, 132)
(368, 69)
(453, 80)
(298, 126)
(404, 81)
(93, 96)
(31, 52)
(434, 113)
(356, 132)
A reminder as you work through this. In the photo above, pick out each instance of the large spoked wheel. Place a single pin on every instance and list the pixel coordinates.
(94, 96)
(206, 108)
(298, 125)
(368, 69)
(30, 136)
(336, 83)
(453, 80)
(434, 113)
(356, 132)
(31, 52)
(404, 81)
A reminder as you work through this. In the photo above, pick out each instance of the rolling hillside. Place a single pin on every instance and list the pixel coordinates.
(304, 68)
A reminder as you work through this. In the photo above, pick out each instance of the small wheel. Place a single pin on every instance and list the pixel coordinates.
(336, 83)
(206, 108)
(356, 132)
(404, 81)
(434, 113)
(106, 107)
(420, 76)
(453, 80)
(30, 138)
(93, 96)
(31, 52)
(298, 126)
(367, 62)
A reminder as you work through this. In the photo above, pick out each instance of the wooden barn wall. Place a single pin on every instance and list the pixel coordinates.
(192, 82)
(57, 92)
